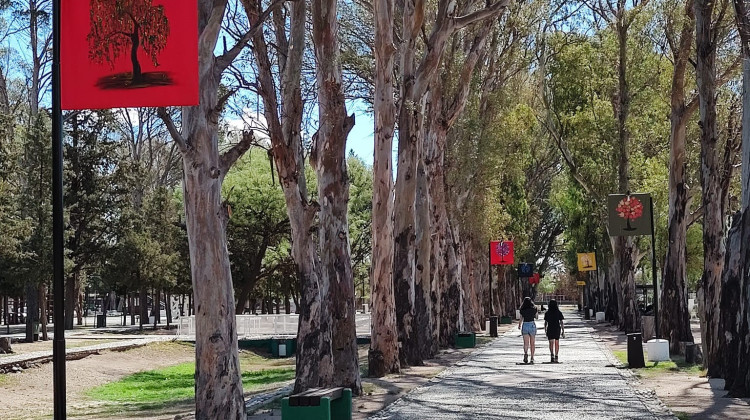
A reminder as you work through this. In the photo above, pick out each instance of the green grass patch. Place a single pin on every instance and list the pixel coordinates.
(682, 416)
(4, 379)
(677, 364)
(175, 383)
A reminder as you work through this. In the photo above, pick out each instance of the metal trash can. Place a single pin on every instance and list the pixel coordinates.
(493, 326)
(101, 320)
(35, 328)
(635, 351)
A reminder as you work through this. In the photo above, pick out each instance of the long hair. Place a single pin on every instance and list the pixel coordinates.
(553, 306)
(527, 303)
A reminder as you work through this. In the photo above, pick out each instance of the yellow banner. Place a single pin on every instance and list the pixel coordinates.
(586, 261)
(580, 283)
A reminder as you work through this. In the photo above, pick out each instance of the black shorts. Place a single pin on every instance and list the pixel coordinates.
(553, 333)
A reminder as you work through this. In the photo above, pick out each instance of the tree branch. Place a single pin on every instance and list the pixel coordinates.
(224, 60)
(567, 157)
(229, 157)
(695, 216)
(176, 136)
(488, 12)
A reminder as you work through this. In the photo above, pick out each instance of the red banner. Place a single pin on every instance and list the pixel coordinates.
(534, 279)
(501, 253)
(128, 53)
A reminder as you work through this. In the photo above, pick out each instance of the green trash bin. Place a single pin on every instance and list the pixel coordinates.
(506, 320)
(466, 340)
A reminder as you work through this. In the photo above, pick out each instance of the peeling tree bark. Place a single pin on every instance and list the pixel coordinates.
(314, 357)
(383, 354)
(735, 287)
(329, 161)
(674, 314)
(713, 227)
(415, 83)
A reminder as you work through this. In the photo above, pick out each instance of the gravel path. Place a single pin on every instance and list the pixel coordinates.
(490, 384)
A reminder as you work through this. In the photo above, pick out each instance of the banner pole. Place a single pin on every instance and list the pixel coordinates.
(58, 278)
(653, 269)
(489, 272)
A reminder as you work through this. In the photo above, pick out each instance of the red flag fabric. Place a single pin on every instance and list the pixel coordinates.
(128, 53)
(501, 253)
(534, 279)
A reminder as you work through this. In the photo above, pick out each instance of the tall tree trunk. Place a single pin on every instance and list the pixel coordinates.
(32, 309)
(624, 246)
(314, 352)
(713, 226)
(333, 192)
(383, 354)
(143, 305)
(674, 314)
(70, 298)
(735, 288)
(131, 308)
(450, 291)
(424, 324)
(404, 264)
(43, 310)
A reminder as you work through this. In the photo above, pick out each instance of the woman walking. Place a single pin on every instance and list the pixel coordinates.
(553, 326)
(528, 328)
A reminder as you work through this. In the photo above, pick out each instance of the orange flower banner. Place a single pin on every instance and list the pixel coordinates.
(629, 214)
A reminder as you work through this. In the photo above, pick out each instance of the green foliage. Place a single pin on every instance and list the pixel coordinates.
(175, 383)
(258, 231)
(360, 222)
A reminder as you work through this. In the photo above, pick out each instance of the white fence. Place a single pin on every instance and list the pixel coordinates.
(266, 325)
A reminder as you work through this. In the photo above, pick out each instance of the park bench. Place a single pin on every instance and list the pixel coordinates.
(318, 404)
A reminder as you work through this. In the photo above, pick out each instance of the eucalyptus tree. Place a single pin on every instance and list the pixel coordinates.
(218, 382)
(417, 72)
(674, 314)
(711, 180)
(328, 158)
(383, 357)
(314, 354)
(735, 286)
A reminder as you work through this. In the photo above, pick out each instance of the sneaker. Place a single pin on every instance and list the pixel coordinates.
(556, 360)
(532, 361)
(552, 358)
(526, 358)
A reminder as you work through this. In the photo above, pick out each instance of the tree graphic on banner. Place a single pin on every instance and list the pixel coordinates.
(122, 26)
(503, 249)
(629, 208)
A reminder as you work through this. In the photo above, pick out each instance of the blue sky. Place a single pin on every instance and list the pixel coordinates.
(361, 138)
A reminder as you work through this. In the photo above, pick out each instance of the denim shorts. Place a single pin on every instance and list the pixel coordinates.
(528, 328)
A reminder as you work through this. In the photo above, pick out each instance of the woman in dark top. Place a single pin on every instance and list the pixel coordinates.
(553, 326)
(528, 328)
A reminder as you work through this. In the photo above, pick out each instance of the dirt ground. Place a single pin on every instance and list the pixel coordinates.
(689, 396)
(28, 395)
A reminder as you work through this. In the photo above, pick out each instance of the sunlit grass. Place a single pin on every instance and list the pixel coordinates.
(677, 364)
(175, 383)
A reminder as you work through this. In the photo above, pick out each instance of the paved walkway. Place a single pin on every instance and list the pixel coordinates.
(46, 355)
(490, 384)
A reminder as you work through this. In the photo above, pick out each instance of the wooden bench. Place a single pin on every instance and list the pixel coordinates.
(318, 404)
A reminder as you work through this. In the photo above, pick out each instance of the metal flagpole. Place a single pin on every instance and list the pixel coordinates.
(653, 268)
(58, 349)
